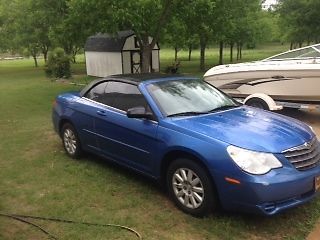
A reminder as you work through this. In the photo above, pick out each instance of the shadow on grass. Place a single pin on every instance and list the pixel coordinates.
(119, 169)
(291, 224)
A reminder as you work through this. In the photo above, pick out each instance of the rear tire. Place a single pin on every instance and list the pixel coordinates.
(190, 187)
(257, 103)
(70, 141)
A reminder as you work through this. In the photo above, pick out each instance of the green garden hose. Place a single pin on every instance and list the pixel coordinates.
(22, 218)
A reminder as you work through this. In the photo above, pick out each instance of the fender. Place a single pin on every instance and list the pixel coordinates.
(266, 98)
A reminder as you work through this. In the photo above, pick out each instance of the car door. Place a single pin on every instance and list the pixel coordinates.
(130, 141)
(86, 109)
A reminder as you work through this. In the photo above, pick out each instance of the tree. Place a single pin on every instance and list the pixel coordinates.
(300, 20)
(238, 25)
(199, 17)
(192, 42)
(28, 22)
(147, 18)
(176, 35)
(72, 29)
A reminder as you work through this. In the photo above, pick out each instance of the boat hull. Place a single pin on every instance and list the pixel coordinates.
(290, 76)
(302, 90)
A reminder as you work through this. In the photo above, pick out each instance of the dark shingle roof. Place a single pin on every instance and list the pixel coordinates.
(107, 42)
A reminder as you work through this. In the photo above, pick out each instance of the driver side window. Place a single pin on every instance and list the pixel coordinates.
(97, 92)
(119, 95)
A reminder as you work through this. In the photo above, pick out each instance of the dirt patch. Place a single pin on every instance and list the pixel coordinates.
(315, 234)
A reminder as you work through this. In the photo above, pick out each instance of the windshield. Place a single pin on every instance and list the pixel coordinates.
(307, 52)
(190, 96)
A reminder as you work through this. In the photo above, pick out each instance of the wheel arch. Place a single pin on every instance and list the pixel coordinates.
(62, 122)
(265, 98)
(181, 153)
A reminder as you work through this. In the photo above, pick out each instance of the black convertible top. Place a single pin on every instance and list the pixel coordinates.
(128, 78)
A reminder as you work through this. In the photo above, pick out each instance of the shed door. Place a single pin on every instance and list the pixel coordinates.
(135, 62)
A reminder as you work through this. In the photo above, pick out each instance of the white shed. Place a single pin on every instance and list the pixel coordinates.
(116, 54)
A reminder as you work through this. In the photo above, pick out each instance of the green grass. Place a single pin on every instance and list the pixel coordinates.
(37, 178)
(212, 55)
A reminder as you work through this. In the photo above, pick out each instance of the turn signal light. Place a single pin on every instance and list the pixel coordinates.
(232, 180)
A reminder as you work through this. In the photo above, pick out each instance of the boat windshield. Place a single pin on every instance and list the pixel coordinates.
(305, 52)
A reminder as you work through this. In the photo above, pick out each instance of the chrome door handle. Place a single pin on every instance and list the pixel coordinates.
(101, 113)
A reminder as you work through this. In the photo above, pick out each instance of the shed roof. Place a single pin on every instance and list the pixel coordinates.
(107, 42)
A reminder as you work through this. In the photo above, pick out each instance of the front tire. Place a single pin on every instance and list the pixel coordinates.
(71, 142)
(190, 187)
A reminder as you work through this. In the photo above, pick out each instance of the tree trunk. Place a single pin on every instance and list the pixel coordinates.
(45, 56)
(146, 53)
(75, 51)
(231, 51)
(240, 51)
(203, 44)
(35, 60)
(44, 50)
(220, 52)
(190, 50)
(300, 44)
(175, 54)
(73, 58)
(291, 45)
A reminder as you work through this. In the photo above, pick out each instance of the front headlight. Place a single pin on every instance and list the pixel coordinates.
(253, 162)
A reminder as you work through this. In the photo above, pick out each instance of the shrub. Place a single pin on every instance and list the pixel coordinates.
(58, 64)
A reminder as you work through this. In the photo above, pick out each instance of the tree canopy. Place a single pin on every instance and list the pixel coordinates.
(41, 25)
(300, 20)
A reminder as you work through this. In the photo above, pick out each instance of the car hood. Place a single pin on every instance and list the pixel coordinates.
(248, 128)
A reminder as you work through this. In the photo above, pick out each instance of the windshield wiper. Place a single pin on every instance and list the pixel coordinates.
(221, 108)
(191, 113)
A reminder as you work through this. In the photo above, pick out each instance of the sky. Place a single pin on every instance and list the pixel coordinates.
(266, 5)
(269, 2)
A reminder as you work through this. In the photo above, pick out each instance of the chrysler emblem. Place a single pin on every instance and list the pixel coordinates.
(307, 145)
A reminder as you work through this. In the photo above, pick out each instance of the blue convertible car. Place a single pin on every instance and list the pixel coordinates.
(203, 145)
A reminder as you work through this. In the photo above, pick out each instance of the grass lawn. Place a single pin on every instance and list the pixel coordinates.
(37, 178)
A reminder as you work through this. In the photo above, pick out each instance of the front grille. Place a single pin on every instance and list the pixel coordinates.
(305, 156)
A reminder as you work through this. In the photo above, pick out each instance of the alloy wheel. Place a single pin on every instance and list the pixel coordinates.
(188, 188)
(70, 141)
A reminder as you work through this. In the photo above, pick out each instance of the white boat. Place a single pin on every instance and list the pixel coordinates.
(292, 76)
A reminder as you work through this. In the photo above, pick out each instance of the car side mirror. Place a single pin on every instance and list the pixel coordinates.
(139, 112)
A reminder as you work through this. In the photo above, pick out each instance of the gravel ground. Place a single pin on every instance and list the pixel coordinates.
(313, 119)
(309, 117)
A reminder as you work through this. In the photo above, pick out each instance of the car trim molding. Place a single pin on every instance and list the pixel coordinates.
(116, 141)
(304, 146)
(116, 109)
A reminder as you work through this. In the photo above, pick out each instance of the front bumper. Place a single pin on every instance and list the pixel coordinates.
(267, 194)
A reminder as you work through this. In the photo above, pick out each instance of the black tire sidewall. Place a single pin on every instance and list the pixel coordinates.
(258, 101)
(78, 151)
(209, 203)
